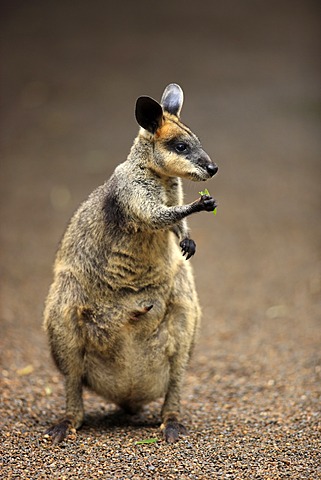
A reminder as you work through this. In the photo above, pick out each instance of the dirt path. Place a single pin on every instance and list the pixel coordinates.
(250, 71)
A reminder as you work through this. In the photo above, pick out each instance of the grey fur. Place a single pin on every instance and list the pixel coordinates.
(122, 311)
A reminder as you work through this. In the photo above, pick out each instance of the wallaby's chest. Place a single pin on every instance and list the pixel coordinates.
(141, 260)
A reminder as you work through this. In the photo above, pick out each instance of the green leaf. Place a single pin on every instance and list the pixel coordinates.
(147, 440)
(204, 192)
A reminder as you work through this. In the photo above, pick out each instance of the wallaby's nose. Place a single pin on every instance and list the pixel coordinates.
(212, 169)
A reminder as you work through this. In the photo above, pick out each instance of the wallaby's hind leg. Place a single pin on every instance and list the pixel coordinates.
(183, 319)
(71, 367)
(64, 327)
(74, 410)
(171, 426)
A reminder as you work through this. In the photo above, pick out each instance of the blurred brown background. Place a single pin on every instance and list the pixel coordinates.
(250, 70)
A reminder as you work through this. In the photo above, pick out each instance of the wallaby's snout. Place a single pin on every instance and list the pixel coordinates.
(212, 169)
(205, 162)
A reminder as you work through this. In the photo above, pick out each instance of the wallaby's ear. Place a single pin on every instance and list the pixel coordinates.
(148, 113)
(172, 99)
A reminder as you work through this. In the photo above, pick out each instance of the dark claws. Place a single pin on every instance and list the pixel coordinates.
(207, 203)
(173, 430)
(188, 247)
(59, 432)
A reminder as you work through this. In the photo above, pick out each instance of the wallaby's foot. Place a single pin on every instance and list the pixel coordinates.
(136, 314)
(59, 431)
(172, 429)
(207, 203)
(188, 247)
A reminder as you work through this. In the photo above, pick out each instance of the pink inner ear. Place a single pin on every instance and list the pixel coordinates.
(172, 99)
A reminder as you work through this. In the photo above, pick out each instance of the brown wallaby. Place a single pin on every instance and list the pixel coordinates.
(122, 312)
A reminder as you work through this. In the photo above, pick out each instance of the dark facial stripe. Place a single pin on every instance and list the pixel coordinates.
(183, 127)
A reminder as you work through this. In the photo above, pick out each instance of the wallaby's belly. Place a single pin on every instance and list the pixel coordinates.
(134, 372)
(133, 367)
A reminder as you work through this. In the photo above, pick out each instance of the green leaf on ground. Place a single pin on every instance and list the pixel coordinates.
(147, 440)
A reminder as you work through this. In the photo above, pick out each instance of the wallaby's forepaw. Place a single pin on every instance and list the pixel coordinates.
(207, 203)
(172, 430)
(59, 432)
(188, 247)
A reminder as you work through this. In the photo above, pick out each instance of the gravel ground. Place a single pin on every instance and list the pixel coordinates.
(250, 71)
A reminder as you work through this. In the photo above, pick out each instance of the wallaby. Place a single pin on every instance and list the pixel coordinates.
(122, 312)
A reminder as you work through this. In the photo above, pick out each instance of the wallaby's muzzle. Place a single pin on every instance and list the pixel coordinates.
(212, 169)
(207, 165)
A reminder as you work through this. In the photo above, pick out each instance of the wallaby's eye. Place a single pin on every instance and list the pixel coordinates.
(178, 146)
(181, 147)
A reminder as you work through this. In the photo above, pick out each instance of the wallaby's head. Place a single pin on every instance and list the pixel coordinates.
(177, 152)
